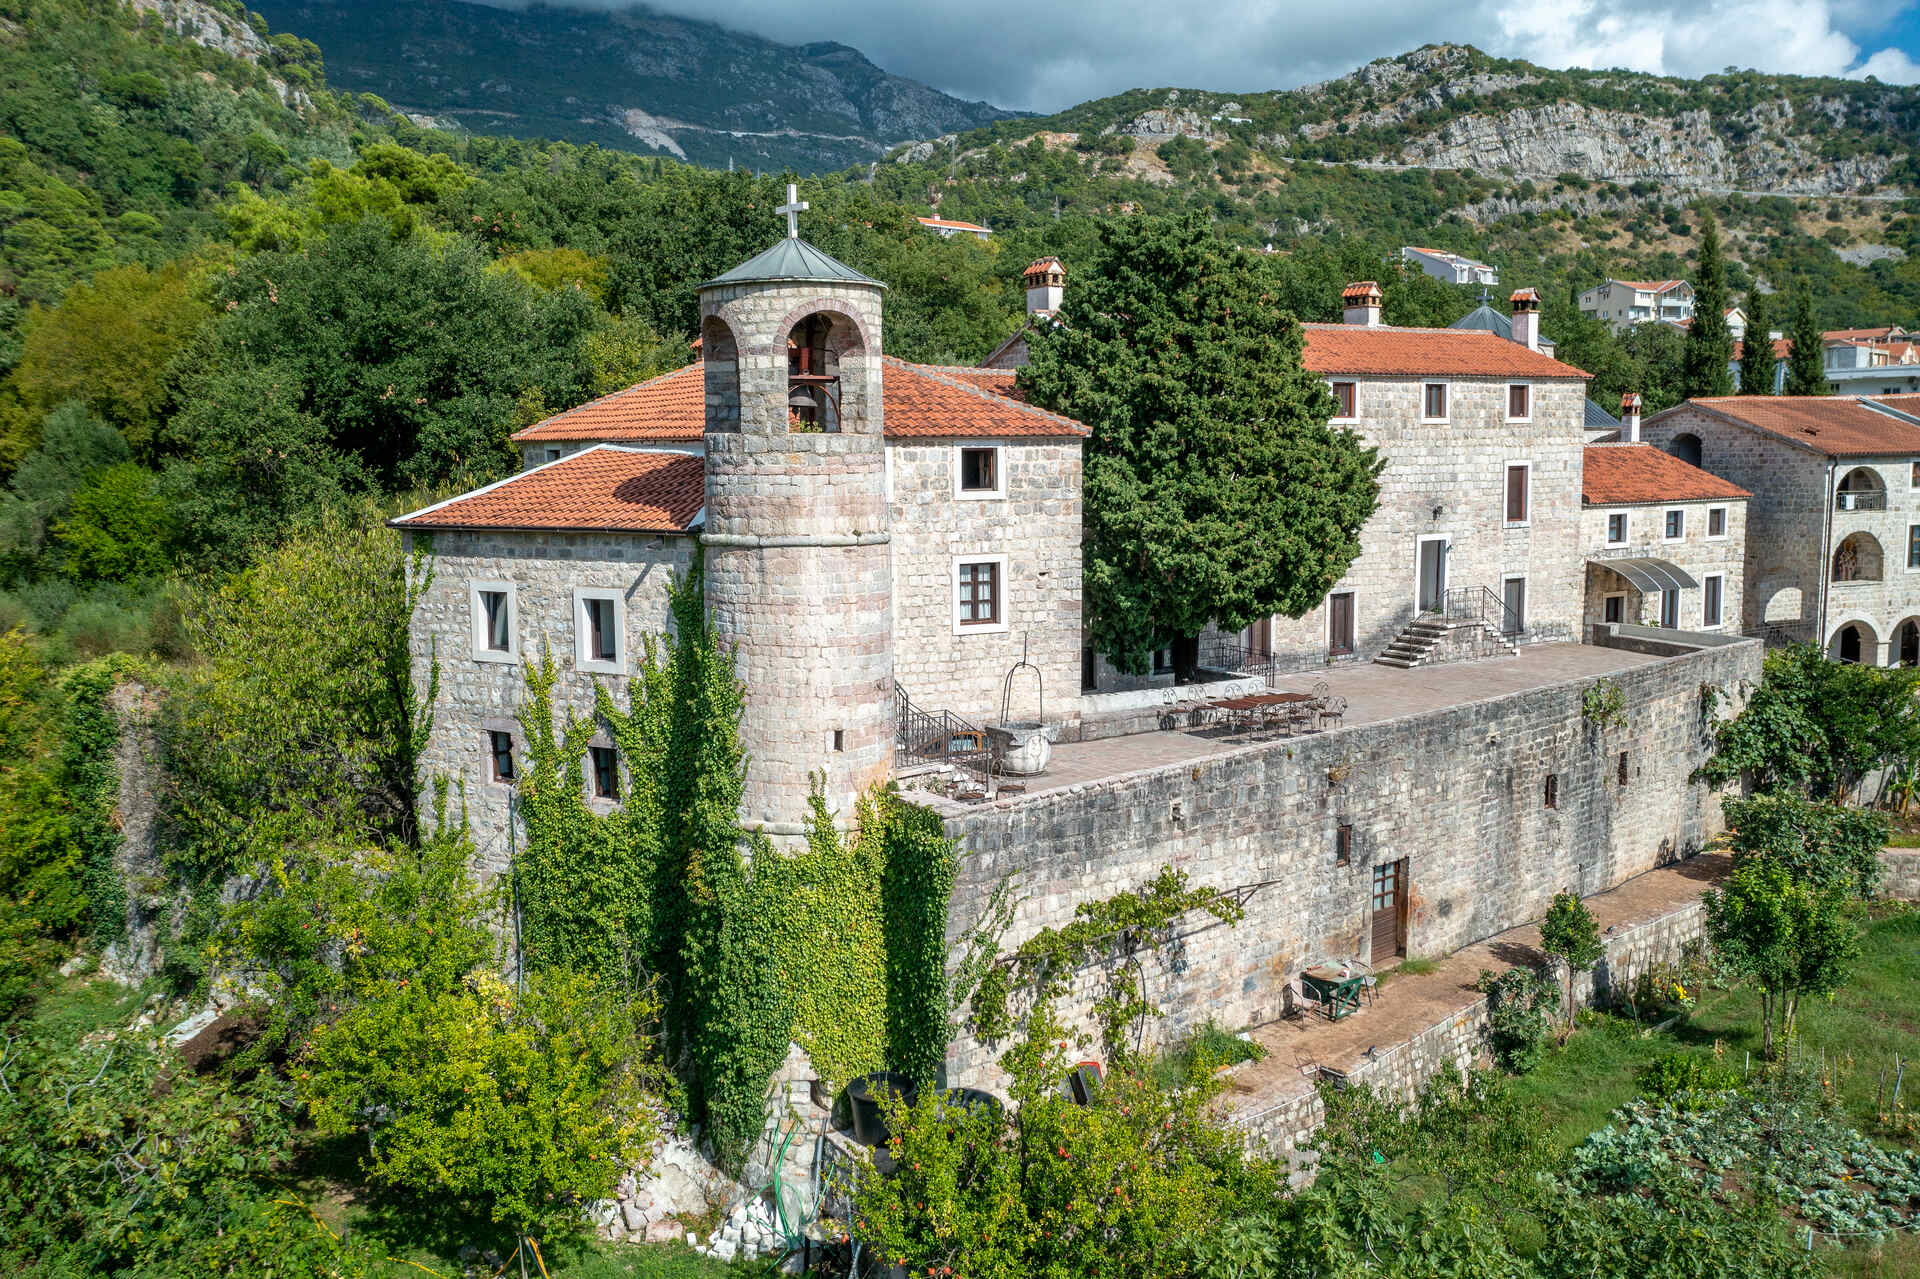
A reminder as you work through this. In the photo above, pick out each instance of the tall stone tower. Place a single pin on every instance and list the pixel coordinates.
(799, 571)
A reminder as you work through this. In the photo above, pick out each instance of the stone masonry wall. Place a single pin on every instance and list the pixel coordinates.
(478, 696)
(1449, 480)
(1696, 553)
(1458, 794)
(1900, 874)
(1458, 1039)
(1794, 526)
(1036, 527)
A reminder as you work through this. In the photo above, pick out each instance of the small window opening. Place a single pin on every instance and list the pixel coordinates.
(980, 594)
(979, 470)
(606, 771)
(500, 753)
(1343, 398)
(601, 645)
(813, 377)
(1343, 845)
(1517, 401)
(1553, 790)
(1623, 768)
(839, 739)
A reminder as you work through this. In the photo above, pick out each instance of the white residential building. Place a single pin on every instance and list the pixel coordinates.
(1451, 267)
(1621, 304)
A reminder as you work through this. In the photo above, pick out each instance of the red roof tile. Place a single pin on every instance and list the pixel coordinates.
(603, 489)
(947, 224)
(1354, 348)
(1623, 474)
(1651, 286)
(1838, 426)
(1864, 335)
(1908, 404)
(918, 400)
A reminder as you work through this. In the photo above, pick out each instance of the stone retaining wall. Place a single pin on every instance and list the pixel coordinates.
(1900, 873)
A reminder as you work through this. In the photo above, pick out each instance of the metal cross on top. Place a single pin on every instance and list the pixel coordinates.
(792, 210)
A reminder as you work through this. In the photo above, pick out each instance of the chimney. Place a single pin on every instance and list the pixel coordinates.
(1630, 417)
(1046, 286)
(1526, 318)
(1361, 303)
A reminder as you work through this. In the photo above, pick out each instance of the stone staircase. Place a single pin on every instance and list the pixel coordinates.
(1431, 639)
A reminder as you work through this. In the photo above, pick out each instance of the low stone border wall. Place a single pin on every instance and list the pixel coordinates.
(1900, 873)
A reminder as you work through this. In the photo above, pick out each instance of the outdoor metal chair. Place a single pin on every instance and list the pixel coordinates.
(1333, 709)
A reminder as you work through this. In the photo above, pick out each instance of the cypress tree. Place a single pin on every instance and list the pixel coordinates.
(1215, 491)
(1756, 357)
(1806, 363)
(1706, 366)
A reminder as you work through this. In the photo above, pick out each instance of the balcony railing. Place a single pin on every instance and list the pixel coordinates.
(1864, 500)
(1479, 604)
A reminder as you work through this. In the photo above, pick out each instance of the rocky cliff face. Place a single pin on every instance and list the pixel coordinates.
(1684, 149)
(632, 78)
(206, 26)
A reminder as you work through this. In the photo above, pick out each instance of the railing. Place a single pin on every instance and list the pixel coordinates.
(1227, 653)
(935, 736)
(1783, 634)
(1865, 500)
(1479, 604)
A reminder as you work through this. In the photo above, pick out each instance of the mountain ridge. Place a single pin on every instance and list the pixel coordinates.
(632, 78)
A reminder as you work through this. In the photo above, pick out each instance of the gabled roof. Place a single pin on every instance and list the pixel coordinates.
(1387, 351)
(1649, 286)
(1443, 254)
(604, 489)
(1487, 320)
(1598, 419)
(1835, 426)
(1864, 335)
(1625, 474)
(1907, 404)
(917, 401)
(792, 259)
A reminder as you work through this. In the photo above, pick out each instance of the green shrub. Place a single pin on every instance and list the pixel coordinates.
(1521, 1005)
(1683, 1078)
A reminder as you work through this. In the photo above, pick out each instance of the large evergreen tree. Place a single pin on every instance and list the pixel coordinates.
(1806, 362)
(1706, 366)
(1214, 489)
(1756, 354)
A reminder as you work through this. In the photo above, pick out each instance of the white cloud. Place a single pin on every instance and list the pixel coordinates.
(1890, 66)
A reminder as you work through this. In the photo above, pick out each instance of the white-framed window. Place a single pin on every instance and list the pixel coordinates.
(496, 621)
(1613, 609)
(1670, 610)
(1716, 523)
(1346, 399)
(1519, 402)
(1518, 503)
(599, 630)
(1712, 599)
(1913, 547)
(979, 471)
(1433, 402)
(1616, 528)
(1673, 526)
(979, 594)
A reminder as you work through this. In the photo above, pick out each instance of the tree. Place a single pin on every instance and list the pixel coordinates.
(1570, 935)
(1215, 491)
(1756, 350)
(1806, 357)
(1790, 938)
(1658, 354)
(1814, 727)
(119, 528)
(1707, 364)
(1825, 845)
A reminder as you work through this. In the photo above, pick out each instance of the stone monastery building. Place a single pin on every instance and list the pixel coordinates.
(885, 542)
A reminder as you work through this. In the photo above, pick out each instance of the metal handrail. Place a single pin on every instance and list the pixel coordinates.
(934, 735)
(1227, 653)
(1480, 604)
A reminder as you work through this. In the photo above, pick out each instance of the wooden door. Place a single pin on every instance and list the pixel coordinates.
(1389, 909)
(1340, 623)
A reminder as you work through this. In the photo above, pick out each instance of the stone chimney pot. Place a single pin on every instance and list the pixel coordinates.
(1360, 304)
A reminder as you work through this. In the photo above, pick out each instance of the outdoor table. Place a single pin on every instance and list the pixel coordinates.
(1253, 706)
(1337, 996)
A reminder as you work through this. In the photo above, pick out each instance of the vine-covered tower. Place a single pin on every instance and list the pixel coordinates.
(799, 574)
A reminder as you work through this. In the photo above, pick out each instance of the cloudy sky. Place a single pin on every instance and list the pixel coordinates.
(1049, 54)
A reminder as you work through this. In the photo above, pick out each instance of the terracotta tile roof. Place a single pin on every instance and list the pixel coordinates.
(1623, 474)
(672, 406)
(1042, 266)
(919, 400)
(1864, 335)
(602, 489)
(1782, 348)
(927, 401)
(1650, 286)
(1908, 404)
(1354, 348)
(1365, 289)
(945, 224)
(1836, 425)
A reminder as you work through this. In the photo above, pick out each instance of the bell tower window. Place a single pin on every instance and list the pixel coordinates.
(813, 377)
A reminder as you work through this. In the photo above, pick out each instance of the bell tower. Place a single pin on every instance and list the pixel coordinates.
(799, 568)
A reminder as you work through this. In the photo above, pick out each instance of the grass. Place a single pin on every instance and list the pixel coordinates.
(1410, 967)
(1212, 1044)
(1578, 1085)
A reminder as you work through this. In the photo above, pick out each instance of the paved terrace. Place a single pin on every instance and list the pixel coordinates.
(1373, 693)
(1298, 1050)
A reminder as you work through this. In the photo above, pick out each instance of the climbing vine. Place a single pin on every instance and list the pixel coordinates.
(1604, 705)
(1115, 930)
(90, 738)
(839, 946)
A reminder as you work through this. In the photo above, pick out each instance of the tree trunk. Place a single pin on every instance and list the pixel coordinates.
(1766, 1024)
(1186, 658)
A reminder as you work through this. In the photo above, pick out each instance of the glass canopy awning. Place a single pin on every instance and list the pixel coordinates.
(1650, 575)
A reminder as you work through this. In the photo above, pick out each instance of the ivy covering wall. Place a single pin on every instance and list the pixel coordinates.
(839, 946)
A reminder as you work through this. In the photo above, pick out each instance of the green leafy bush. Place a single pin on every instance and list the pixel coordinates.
(1684, 1079)
(1521, 1005)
